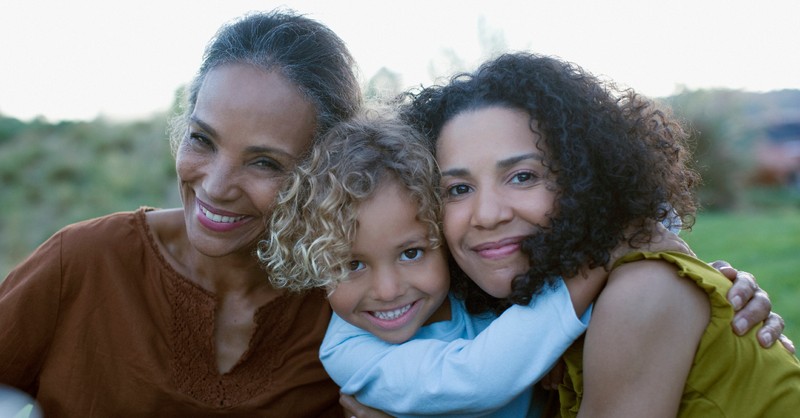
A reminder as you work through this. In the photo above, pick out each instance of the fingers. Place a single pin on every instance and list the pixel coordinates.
(744, 289)
(755, 311)
(753, 306)
(725, 268)
(554, 377)
(349, 404)
(353, 408)
(771, 330)
(788, 344)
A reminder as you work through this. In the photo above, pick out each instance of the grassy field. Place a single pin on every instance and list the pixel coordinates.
(766, 244)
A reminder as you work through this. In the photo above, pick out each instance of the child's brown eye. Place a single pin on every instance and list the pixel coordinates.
(458, 189)
(411, 254)
(355, 265)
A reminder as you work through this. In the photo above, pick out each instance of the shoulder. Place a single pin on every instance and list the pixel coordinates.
(646, 306)
(650, 287)
(645, 329)
(104, 228)
(167, 227)
(100, 243)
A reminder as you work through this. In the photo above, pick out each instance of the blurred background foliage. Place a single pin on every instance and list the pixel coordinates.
(747, 150)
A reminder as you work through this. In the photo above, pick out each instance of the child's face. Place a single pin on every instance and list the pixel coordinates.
(497, 192)
(397, 281)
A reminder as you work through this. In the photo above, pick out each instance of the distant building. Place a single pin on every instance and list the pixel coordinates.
(777, 150)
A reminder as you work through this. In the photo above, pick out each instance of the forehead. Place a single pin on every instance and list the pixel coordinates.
(390, 213)
(480, 133)
(246, 99)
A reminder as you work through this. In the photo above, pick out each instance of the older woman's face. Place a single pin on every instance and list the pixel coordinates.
(496, 193)
(246, 132)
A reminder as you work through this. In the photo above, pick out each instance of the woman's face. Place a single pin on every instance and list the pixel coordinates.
(497, 192)
(246, 132)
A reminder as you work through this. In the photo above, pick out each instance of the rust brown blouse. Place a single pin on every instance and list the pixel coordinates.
(95, 323)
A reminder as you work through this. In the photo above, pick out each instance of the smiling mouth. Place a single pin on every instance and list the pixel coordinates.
(499, 249)
(392, 314)
(220, 218)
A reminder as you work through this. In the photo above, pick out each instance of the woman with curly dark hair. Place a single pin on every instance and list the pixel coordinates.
(545, 170)
(500, 189)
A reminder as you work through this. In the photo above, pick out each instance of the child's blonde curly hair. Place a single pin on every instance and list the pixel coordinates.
(313, 225)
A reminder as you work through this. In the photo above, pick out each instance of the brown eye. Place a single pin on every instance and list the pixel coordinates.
(411, 254)
(355, 265)
(458, 189)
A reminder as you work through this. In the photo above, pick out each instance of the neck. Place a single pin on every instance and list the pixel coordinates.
(235, 273)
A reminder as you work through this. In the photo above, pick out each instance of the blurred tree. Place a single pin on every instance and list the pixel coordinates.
(715, 122)
(384, 85)
(55, 174)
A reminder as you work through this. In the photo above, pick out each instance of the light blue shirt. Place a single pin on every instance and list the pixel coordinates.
(467, 366)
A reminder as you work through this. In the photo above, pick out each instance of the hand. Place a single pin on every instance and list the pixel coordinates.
(554, 377)
(661, 239)
(752, 306)
(354, 409)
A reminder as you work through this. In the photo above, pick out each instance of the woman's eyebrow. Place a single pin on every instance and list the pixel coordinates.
(502, 164)
(508, 162)
(206, 127)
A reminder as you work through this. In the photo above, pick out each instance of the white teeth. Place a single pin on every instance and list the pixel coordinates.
(219, 218)
(391, 315)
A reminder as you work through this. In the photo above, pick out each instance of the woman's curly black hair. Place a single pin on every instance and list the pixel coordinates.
(618, 158)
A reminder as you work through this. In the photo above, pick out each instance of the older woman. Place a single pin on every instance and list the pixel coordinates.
(167, 312)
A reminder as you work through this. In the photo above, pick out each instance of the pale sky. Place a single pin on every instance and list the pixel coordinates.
(77, 59)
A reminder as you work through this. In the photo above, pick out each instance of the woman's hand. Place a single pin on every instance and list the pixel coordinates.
(354, 409)
(752, 306)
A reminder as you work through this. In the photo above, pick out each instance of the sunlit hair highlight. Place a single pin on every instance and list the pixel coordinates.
(313, 226)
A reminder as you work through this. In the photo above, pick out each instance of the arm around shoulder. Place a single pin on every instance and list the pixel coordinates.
(465, 376)
(646, 326)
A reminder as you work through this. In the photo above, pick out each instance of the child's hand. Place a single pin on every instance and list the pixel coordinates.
(354, 409)
(554, 377)
(661, 239)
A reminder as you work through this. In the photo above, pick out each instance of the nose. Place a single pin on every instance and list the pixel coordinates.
(387, 285)
(220, 182)
(490, 208)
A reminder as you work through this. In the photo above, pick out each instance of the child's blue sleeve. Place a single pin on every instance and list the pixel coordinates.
(462, 377)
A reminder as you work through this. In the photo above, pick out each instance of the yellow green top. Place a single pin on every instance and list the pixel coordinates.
(731, 376)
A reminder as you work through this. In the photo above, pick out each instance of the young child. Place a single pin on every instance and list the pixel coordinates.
(360, 217)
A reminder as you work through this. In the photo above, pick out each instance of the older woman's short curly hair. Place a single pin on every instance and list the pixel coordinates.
(313, 225)
(618, 159)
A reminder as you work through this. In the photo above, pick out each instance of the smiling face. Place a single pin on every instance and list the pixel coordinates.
(497, 192)
(247, 130)
(397, 281)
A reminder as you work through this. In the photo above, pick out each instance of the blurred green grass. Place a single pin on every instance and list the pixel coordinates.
(765, 243)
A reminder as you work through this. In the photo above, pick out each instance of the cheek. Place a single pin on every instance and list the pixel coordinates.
(438, 281)
(266, 203)
(536, 207)
(451, 223)
(344, 299)
(264, 194)
(187, 165)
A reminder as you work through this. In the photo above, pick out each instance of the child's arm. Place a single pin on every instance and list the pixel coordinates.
(428, 376)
